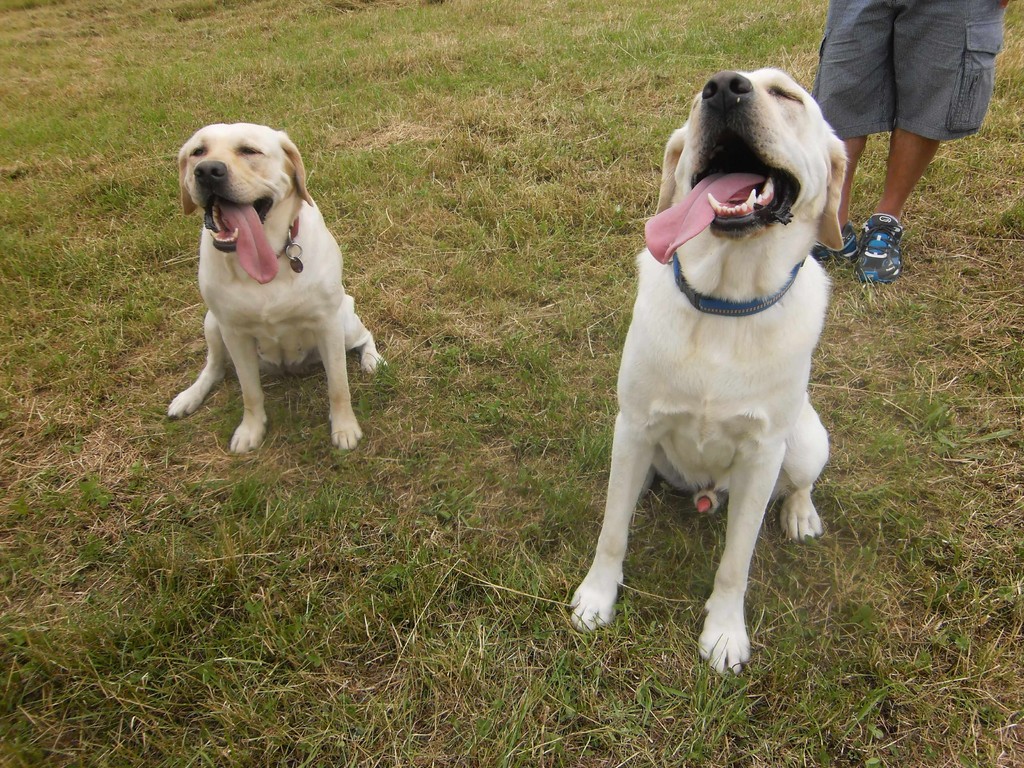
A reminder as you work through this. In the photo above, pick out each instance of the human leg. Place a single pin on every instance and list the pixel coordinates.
(879, 258)
(945, 54)
(909, 157)
(854, 149)
(854, 87)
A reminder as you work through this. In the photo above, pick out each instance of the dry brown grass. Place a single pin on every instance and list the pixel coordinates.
(487, 168)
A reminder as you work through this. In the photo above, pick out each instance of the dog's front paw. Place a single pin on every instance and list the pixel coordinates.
(248, 436)
(347, 436)
(798, 518)
(370, 360)
(593, 605)
(724, 643)
(185, 402)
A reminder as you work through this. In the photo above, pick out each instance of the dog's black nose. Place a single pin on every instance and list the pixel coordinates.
(726, 90)
(210, 172)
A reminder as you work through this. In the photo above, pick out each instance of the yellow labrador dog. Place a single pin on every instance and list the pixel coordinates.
(270, 274)
(712, 386)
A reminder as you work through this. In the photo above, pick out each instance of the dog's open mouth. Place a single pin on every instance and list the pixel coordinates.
(226, 219)
(735, 194)
(238, 228)
(749, 208)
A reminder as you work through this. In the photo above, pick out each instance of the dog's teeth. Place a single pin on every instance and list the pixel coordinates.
(767, 193)
(724, 210)
(717, 207)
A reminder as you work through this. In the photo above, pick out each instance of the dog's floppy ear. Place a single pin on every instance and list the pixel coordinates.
(298, 169)
(830, 228)
(673, 150)
(187, 203)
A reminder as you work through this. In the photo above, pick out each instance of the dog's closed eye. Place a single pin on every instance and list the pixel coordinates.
(782, 93)
(249, 151)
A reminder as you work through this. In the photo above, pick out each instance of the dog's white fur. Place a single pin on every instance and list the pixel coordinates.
(711, 401)
(294, 319)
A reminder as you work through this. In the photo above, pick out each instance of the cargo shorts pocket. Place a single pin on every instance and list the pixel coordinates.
(974, 81)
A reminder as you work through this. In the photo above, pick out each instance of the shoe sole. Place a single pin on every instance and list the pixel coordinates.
(876, 279)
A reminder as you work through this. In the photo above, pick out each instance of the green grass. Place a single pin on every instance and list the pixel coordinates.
(487, 168)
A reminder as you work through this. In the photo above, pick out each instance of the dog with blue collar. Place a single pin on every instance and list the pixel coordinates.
(712, 387)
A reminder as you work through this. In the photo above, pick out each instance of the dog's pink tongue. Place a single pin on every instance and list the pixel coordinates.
(692, 215)
(254, 252)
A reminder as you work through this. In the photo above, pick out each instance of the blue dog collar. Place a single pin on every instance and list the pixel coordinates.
(712, 306)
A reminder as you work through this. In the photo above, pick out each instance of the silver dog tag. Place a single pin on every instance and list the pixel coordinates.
(293, 251)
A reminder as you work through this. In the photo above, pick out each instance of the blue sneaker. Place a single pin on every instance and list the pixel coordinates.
(846, 253)
(878, 257)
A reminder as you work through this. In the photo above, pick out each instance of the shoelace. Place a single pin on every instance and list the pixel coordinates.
(881, 239)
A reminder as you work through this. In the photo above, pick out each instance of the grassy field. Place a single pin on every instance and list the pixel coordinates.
(487, 168)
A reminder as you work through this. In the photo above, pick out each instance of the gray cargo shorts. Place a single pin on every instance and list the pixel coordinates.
(926, 66)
